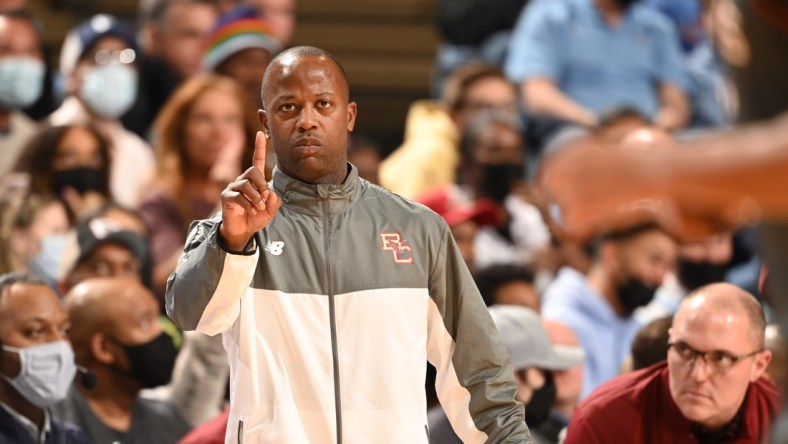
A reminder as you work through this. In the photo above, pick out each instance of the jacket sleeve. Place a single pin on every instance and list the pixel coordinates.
(475, 382)
(205, 290)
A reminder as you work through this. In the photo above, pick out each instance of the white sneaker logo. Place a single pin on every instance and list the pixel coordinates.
(275, 248)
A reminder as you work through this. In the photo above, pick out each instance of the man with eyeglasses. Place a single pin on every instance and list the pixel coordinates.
(709, 390)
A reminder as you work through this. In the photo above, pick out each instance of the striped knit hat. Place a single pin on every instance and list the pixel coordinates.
(239, 29)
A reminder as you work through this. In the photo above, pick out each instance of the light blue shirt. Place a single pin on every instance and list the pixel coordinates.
(605, 337)
(601, 67)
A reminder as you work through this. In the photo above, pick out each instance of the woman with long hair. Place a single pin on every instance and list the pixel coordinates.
(201, 138)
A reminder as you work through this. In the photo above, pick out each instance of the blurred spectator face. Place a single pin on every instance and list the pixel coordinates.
(12, 5)
(148, 353)
(123, 315)
(247, 68)
(19, 38)
(641, 263)
(528, 381)
(214, 119)
(30, 315)
(280, 15)
(518, 293)
(179, 39)
(78, 148)
(710, 389)
(499, 158)
(568, 383)
(106, 78)
(42, 246)
(137, 322)
(706, 261)
(487, 92)
(80, 164)
(108, 260)
(500, 144)
(367, 160)
(464, 233)
(21, 63)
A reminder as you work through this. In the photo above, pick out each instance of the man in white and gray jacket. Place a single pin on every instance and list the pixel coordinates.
(331, 292)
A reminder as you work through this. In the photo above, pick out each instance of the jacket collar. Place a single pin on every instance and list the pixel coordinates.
(309, 198)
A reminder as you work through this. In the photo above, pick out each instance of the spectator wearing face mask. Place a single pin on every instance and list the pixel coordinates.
(98, 65)
(493, 167)
(36, 363)
(701, 262)
(626, 269)
(71, 162)
(430, 154)
(21, 83)
(33, 235)
(533, 360)
(117, 337)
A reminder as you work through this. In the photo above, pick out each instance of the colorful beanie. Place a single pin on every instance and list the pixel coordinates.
(239, 29)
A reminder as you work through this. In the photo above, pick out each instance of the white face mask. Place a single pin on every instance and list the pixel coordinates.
(109, 90)
(47, 372)
(21, 81)
(46, 265)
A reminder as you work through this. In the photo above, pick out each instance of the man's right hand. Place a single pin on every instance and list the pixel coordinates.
(247, 204)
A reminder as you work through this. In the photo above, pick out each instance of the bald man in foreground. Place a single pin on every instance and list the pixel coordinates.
(709, 390)
(116, 335)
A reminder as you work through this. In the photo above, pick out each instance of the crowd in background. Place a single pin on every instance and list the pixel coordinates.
(99, 185)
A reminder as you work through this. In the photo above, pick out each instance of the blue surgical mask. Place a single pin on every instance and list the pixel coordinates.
(47, 372)
(21, 81)
(109, 90)
(46, 264)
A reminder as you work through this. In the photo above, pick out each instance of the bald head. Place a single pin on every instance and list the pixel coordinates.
(99, 305)
(287, 60)
(725, 300)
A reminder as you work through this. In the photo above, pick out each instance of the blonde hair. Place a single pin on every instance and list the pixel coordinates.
(170, 128)
(18, 211)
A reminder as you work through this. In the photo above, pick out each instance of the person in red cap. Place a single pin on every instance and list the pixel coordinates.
(464, 216)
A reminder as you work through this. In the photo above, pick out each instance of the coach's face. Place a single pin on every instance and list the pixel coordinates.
(307, 118)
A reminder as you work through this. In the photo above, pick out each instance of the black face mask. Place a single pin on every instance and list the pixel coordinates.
(497, 180)
(538, 408)
(152, 362)
(626, 4)
(634, 293)
(694, 275)
(81, 179)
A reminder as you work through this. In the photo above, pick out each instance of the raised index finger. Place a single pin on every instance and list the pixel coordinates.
(258, 158)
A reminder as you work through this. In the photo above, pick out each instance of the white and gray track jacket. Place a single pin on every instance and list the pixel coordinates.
(329, 321)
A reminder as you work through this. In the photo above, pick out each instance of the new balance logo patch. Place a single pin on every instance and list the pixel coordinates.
(275, 247)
